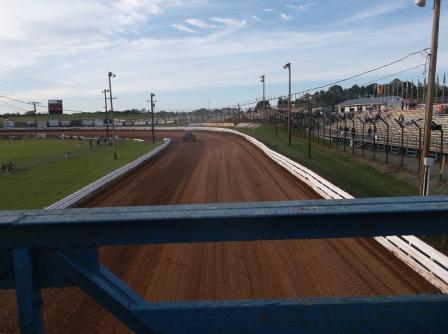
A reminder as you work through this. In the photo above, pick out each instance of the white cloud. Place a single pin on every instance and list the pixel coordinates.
(183, 28)
(256, 18)
(66, 27)
(269, 10)
(300, 7)
(230, 22)
(52, 28)
(381, 9)
(286, 17)
(198, 23)
(72, 57)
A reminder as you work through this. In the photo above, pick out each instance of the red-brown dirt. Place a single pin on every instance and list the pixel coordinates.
(221, 168)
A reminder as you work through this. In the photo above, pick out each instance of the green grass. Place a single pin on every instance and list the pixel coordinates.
(359, 178)
(43, 175)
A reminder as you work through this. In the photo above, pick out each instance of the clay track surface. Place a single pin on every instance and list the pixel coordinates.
(221, 168)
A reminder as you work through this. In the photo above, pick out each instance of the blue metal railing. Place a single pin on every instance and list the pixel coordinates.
(48, 248)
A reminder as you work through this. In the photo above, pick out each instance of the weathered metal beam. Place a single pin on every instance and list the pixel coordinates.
(398, 314)
(225, 222)
(408, 314)
(29, 300)
(103, 286)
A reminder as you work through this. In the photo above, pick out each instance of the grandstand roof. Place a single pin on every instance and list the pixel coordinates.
(388, 100)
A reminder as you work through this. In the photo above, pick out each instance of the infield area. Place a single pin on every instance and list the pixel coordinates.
(47, 170)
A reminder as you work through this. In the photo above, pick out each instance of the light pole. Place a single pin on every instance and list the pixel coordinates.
(152, 115)
(105, 91)
(309, 129)
(430, 98)
(288, 66)
(114, 148)
(262, 80)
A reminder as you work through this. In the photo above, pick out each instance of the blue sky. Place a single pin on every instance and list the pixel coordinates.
(191, 52)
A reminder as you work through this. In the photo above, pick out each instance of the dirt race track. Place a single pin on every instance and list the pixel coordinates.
(221, 168)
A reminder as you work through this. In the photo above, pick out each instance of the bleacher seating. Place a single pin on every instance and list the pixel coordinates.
(411, 136)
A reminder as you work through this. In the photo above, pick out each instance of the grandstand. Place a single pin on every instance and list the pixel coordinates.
(385, 129)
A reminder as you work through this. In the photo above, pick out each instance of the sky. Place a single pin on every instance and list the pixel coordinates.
(199, 53)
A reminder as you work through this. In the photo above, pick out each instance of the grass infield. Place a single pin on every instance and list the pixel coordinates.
(358, 177)
(44, 175)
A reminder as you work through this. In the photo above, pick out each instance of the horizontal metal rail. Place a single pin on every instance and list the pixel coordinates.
(224, 222)
(45, 248)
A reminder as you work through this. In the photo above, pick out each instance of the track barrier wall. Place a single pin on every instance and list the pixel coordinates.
(104, 182)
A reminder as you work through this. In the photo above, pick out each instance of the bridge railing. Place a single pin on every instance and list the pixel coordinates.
(49, 248)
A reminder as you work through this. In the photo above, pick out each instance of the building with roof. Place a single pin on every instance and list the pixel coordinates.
(370, 103)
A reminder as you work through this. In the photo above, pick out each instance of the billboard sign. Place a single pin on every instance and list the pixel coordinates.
(55, 107)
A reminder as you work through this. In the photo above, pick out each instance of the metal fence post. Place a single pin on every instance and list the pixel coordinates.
(345, 131)
(29, 300)
(353, 135)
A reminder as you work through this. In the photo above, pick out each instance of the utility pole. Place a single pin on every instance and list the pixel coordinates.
(35, 117)
(288, 66)
(309, 130)
(114, 148)
(264, 97)
(424, 181)
(152, 115)
(105, 91)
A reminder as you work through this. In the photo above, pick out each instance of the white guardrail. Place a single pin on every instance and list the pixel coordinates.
(101, 183)
(421, 257)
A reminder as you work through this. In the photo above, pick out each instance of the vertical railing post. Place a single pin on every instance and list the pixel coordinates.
(386, 144)
(29, 300)
(363, 134)
(337, 132)
(331, 124)
(353, 135)
(374, 141)
(345, 131)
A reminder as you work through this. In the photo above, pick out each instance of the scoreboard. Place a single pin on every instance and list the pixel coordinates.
(55, 107)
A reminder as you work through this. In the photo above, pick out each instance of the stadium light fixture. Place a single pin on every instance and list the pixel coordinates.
(420, 3)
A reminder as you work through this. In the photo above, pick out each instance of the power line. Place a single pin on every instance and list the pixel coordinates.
(27, 78)
(40, 106)
(15, 100)
(9, 105)
(423, 52)
(392, 75)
